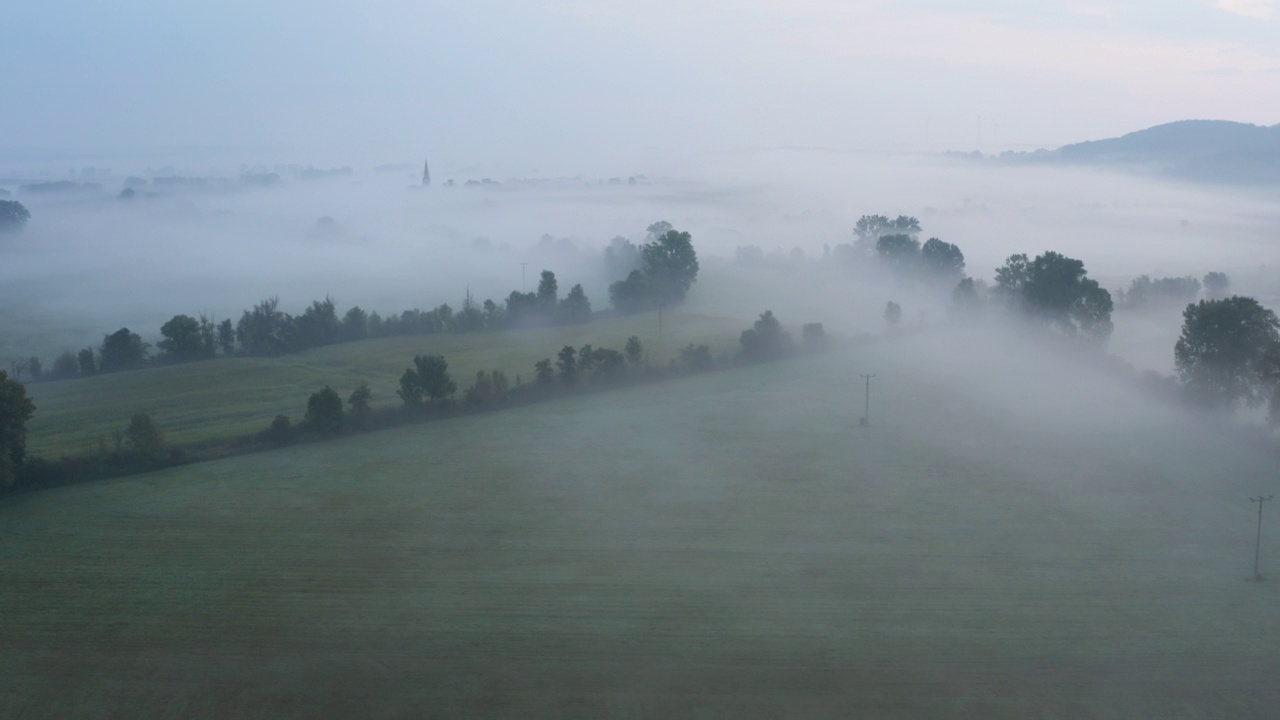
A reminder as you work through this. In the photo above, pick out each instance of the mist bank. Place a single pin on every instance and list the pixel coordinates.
(86, 265)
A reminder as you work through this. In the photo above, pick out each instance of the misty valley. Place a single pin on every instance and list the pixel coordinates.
(776, 433)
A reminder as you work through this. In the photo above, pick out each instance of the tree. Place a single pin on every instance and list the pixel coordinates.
(360, 405)
(575, 308)
(183, 340)
(428, 378)
(317, 326)
(1056, 289)
(355, 325)
(280, 431)
(122, 350)
(411, 391)
(15, 410)
(1226, 353)
(87, 365)
(227, 337)
(567, 363)
(64, 366)
(942, 261)
(481, 391)
(265, 330)
(766, 339)
(697, 358)
(658, 229)
(631, 295)
(543, 373)
(1012, 277)
(35, 368)
(621, 257)
(966, 298)
(634, 351)
(324, 411)
(1216, 285)
(548, 291)
(893, 314)
(670, 265)
(144, 439)
(13, 216)
(901, 252)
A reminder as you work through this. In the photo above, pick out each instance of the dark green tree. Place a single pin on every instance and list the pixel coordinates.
(766, 339)
(1216, 285)
(893, 314)
(633, 294)
(182, 341)
(227, 337)
(567, 363)
(265, 331)
(411, 391)
(697, 358)
(355, 325)
(543, 373)
(427, 379)
(360, 405)
(942, 261)
(634, 351)
(15, 410)
(1056, 289)
(13, 216)
(1227, 351)
(64, 366)
(317, 326)
(901, 252)
(324, 411)
(86, 361)
(670, 265)
(548, 291)
(122, 350)
(280, 431)
(575, 308)
(144, 440)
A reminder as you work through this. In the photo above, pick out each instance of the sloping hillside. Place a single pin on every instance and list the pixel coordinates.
(1011, 537)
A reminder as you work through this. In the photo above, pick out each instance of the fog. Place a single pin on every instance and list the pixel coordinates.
(90, 263)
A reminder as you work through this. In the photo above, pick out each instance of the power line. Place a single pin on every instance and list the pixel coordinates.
(1257, 547)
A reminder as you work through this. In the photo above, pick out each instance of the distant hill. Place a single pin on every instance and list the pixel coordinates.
(1201, 150)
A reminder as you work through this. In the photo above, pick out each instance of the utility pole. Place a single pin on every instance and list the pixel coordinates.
(1257, 547)
(866, 407)
(660, 305)
(523, 286)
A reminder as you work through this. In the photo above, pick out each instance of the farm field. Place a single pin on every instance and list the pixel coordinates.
(728, 545)
(228, 397)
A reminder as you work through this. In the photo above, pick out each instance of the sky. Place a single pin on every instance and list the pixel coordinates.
(568, 86)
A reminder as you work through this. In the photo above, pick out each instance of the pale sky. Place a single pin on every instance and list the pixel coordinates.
(558, 84)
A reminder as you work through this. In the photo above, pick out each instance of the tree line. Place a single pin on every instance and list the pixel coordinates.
(427, 390)
(660, 271)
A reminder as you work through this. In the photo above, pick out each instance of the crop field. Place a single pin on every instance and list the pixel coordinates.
(731, 545)
(227, 397)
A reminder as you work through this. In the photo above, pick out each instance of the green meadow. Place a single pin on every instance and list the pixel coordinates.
(228, 397)
(1005, 539)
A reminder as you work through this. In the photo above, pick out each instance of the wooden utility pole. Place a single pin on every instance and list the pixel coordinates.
(866, 406)
(1257, 546)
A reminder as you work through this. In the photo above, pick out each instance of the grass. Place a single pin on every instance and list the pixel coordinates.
(228, 397)
(730, 545)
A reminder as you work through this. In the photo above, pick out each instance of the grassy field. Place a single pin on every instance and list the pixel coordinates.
(732, 545)
(234, 396)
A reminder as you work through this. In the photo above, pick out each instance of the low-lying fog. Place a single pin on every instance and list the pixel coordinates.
(86, 266)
